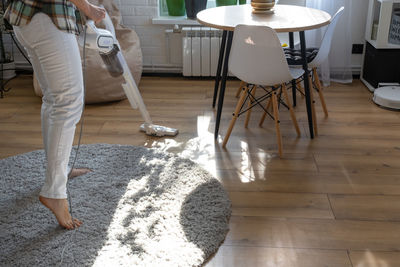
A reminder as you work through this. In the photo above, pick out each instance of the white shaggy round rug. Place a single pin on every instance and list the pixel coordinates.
(140, 207)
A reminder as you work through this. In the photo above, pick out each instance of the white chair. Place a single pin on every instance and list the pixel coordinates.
(283, 36)
(317, 57)
(257, 59)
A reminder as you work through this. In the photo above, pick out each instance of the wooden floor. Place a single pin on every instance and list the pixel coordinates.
(331, 201)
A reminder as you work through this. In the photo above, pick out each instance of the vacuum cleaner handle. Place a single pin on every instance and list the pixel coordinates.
(108, 23)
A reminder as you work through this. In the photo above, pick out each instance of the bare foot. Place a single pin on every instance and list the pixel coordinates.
(78, 172)
(59, 207)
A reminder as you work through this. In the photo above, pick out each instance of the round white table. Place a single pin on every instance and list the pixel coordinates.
(284, 18)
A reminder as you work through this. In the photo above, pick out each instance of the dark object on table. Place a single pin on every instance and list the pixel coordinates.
(194, 6)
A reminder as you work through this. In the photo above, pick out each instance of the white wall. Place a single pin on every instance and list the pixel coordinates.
(138, 15)
(359, 19)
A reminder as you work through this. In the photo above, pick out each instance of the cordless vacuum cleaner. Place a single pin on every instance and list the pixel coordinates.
(105, 41)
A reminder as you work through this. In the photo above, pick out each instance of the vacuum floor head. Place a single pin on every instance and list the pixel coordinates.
(387, 97)
(157, 130)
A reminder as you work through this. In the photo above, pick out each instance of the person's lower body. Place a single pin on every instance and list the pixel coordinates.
(56, 62)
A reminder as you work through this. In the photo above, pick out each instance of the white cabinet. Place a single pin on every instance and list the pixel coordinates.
(380, 13)
(381, 62)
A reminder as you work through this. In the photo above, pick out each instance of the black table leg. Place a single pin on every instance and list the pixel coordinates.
(223, 83)
(291, 45)
(220, 60)
(306, 83)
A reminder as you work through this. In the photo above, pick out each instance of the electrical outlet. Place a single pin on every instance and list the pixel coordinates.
(357, 49)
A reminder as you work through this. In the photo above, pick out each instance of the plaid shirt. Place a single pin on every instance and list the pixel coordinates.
(63, 13)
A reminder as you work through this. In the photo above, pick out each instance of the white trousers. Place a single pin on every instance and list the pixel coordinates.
(56, 61)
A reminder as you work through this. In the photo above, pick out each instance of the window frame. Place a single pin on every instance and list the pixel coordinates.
(163, 11)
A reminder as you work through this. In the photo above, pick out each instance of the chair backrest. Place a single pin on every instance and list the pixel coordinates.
(257, 56)
(325, 47)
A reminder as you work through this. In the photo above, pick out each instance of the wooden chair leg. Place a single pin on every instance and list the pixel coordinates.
(300, 88)
(321, 95)
(235, 115)
(242, 84)
(314, 115)
(292, 115)
(276, 118)
(265, 113)
(248, 113)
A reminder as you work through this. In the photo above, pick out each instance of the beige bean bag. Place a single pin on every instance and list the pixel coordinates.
(100, 85)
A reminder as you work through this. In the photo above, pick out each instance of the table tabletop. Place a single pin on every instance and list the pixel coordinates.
(283, 18)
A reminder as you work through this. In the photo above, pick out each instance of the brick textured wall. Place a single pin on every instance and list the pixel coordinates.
(136, 14)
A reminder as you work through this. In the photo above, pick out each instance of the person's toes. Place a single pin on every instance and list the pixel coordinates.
(77, 222)
(65, 225)
(71, 224)
(68, 225)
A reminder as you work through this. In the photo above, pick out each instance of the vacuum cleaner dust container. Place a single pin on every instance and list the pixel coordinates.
(112, 62)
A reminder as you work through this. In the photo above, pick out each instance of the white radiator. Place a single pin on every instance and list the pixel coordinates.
(200, 51)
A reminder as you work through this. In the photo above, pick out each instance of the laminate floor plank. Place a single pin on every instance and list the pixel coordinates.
(286, 205)
(314, 233)
(325, 183)
(370, 258)
(237, 256)
(366, 207)
(350, 163)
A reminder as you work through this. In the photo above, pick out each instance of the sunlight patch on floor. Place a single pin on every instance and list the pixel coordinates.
(371, 260)
(113, 249)
(135, 235)
(207, 153)
(246, 167)
(265, 158)
(200, 149)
